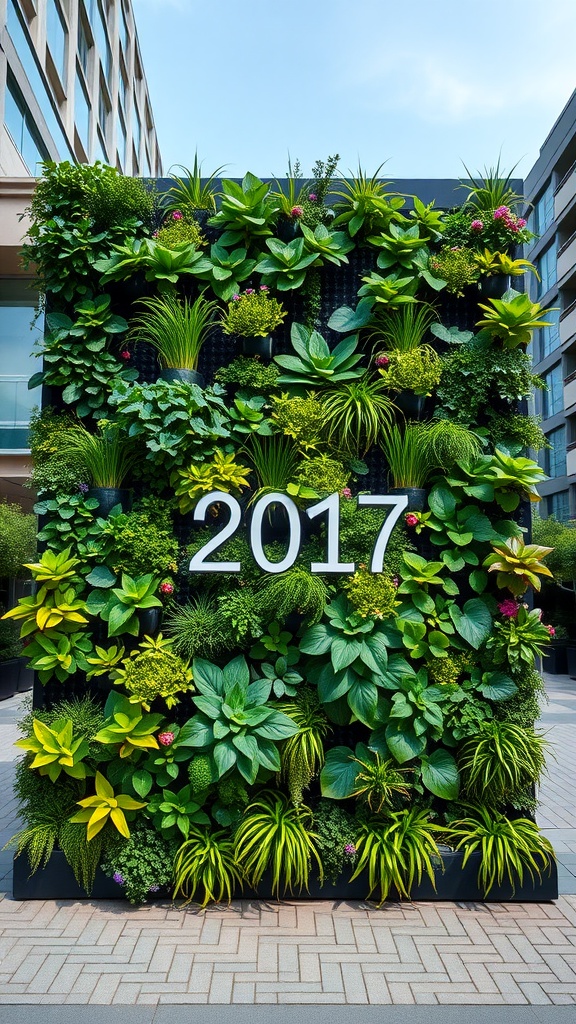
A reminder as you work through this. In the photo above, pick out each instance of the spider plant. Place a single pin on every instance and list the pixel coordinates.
(490, 189)
(191, 190)
(403, 328)
(302, 755)
(177, 330)
(407, 453)
(275, 461)
(396, 852)
(365, 204)
(107, 456)
(500, 759)
(274, 834)
(451, 443)
(378, 780)
(206, 864)
(358, 413)
(508, 847)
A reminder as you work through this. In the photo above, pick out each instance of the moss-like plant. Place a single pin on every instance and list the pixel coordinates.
(249, 372)
(371, 594)
(152, 671)
(456, 266)
(417, 369)
(301, 418)
(253, 314)
(296, 589)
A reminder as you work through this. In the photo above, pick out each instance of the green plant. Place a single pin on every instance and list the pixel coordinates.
(314, 364)
(192, 190)
(328, 245)
(249, 372)
(246, 212)
(318, 474)
(403, 250)
(58, 654)
(403, 328)
(513, 318)
(118, 606)
(508, 848)
(519, 638)
(397, 853)
(206, 864)
(107, 456)
(274, 460)
(490, 189)
(253, 314)
(176, 330)
(516, 432)
(10, 643)
(456, 266)
(104, 806)
(247, 416)
(365, 204)
(417, 369)
(364, 773)
(296, 589)
(396, 289)
(197, 628)
(174, 813)
(160, 264)
(478, 376)
(223, 473)
(50, 609)
(226, 270)
(127, 727)
(70, 519)
(302, 755)
(180, 227)
(234, 722)
(371, 594)
(286, 267)
(301, 418)
(142, 864)
(17, 539)
(407, 453)
(143, 540)
(517, 565)
(151, 671)
(500, 760)
(499, 477)
(49, 472)
(358, 413)
(56, 749)
(282, 675)
(336, 831)
(492, 263)
(274, 834)
(450, 443)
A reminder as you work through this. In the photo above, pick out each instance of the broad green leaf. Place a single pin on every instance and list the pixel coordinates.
(338, 775)
(473, 622)
(440, 775)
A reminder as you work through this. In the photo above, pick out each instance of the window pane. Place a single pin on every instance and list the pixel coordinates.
(556, 456)
(84, 46)
(542, 215)
(553, 399)
(546, 266)
(20, 124)
(82, 112)
(56, 36)
(17, 364)
(121, 140)
(98, 22)
(559, 506)
(550, 336)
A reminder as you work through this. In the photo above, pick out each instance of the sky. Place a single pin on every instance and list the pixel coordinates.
(423, 86)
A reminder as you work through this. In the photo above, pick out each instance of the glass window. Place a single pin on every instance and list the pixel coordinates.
(17, 364)
(56, 36)
(82, 113)
(556, 455)
(542, 215)
(137, 130)
(20, 124)
(100, 149)
(122, 90)
(123, 32)
(553, 399)
(546, 267)
(121, 140)
(98, 22)
(103, 109)
(559, 506)
(550, 336)
(84, 46)
(30, 65)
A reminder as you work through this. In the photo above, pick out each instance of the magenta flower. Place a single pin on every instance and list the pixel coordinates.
(349, 850)
(395, 580)
(381, 361)
(508, 608)
(411, 519)
(551, 630)
(166, 738)
(235, 298)
(501, 212)
(125, 355)
(346, 492)
(166, 587)
(177, 215)
(249, 291)
(296, 211)
(264, 288)
(521, 222)
(312, 197)
(477, 225)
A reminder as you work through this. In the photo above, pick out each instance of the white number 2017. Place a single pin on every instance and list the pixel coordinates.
(330, 505)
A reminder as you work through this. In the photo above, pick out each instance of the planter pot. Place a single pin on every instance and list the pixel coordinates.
(410, 404)
(261, 347)
(494, 287)
(183, 376)
(416, 497)
(571, 659)
(555, 661)
(452, 882)
(110, 496)
(149, 620)
(9, 676)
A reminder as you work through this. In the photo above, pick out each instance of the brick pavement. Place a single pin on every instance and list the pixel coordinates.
(108, 954)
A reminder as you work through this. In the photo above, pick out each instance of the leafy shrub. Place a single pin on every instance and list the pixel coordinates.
(17, 539)
(336, 830)
(142, 864)
(142, 541)
(371, 594)
(476, 377)
(51, 473)
(249, 372)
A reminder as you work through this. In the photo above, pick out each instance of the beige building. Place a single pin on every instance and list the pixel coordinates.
(72, 87)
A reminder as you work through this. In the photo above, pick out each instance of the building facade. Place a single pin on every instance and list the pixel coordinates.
(72, 87)
(550, 188)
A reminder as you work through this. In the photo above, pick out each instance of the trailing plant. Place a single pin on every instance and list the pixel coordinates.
(509, 848)
(17, 539)
(358, 413)
(336, 831)
(142, 865)
(302, 755)
(274, 834)
(478, 376)
(176, 330)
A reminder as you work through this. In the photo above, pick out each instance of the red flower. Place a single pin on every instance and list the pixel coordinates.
(166, 588)
(166, 738)
(411, 519)
(125, 355)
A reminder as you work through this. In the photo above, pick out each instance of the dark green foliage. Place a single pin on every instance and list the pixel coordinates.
(200, 772)
(525, 707)
(144, 862)
(475, 377)
(242, 614)
(143, 541)
(296, 590)
(17, 540)
(197, 628)
(51, 473)
(10, 643)
(516, 430)
(249, 372)
(336, 830)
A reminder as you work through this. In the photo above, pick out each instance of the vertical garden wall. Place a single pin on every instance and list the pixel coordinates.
(283, 626)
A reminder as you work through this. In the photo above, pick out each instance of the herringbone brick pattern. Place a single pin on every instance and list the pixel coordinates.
(289, 953)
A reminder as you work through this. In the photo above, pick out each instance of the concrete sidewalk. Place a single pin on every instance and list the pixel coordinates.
(411, 958)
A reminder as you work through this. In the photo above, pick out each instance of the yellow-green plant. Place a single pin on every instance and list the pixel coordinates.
(151, 671)
(49, 610)
(104, 660)
(54, 567)
(56, 749)
(378, 780)
(498, 761)
(253, 314)
(206, 864)
(417, 369)
(397, 852)
(104, 806)
(508, 848)
(303, 755)
(512, 320)
(127, 727)
(223, 473)
(274, 834)
(517, 565)
(372, 594)
(491, 263)
(358, 413)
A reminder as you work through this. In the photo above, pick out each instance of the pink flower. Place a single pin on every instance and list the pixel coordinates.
(125, 355)
(349, 850)
(477, 225)
(249, 291)
(312, 197)
(381, 361)
(166, 738)
(411, 519)
(551, 630)
(177, 215)
(395, 581)
(508, 608)
(346, 492)
(264, 288)
(521, 222)
(166, 588)
(296, 211)
(235, 298)
(502, 211)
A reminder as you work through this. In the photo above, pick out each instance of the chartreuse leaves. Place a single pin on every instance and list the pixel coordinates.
(104, 806)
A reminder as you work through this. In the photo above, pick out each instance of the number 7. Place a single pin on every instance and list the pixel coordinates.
(398, 505)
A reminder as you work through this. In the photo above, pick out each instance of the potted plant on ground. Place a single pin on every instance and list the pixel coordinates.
(252, 316)
(177, 330)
